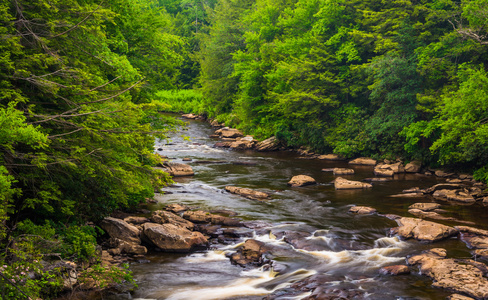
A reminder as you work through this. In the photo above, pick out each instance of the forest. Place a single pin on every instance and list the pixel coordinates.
(83, 82)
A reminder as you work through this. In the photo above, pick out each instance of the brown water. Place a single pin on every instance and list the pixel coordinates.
(352, 248)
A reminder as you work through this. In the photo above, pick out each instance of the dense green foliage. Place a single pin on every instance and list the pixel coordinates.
(389, 79)
(77, 127)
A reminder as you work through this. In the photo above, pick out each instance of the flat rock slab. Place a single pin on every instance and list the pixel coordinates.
(248, 193)
(364, 161)
(344, 184)
(301, 180)
(425, 206)
(172, 238)
(342, 171)
(330, 157)
(206, 217)
(463, 276)
(362, 210)
(423, 230)
(428, 215)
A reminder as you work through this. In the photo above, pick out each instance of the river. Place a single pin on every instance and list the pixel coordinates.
(348, 248)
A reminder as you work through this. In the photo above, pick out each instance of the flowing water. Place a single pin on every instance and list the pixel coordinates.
(348, 249)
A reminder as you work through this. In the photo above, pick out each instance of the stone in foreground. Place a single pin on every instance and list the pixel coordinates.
(423, 230)
(171, 238)
(344, 184)
(301, 180)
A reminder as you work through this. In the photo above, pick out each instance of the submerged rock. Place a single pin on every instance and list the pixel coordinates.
(248, 193)
(461, 275)
(343, 184)
(172, 238)
(301, 180)
(423, 230)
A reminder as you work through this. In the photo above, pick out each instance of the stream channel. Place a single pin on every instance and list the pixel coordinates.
(349, 249)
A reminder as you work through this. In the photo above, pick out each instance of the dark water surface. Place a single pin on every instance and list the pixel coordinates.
(352, 247)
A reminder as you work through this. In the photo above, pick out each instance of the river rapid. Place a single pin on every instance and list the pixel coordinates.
(347, 249)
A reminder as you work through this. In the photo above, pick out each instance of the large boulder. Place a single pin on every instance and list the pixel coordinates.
(423, 230)
(172, 238)
(176, 169)
(270, 144)
(248, 193)
(163, 217)
(364, 161)
(331, 157)
(206, 217)
(301, 180)
(344, 184)
(413, 166)
(119, 229)
(395, 270)
(463, 276)
(342, 171)
(229, 133)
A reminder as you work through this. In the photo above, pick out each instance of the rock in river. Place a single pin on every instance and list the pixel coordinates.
(227, 132)
(176, 169)
(206, 217)
(461, 275)
(172, 238)
(363, 161)
(423, 230)
(342, 171)
(248, 193)
(362, 210)
(250, 253)
(301, 180)
(117, 228)
(163, 217)
(344, 184)
(270, 144)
